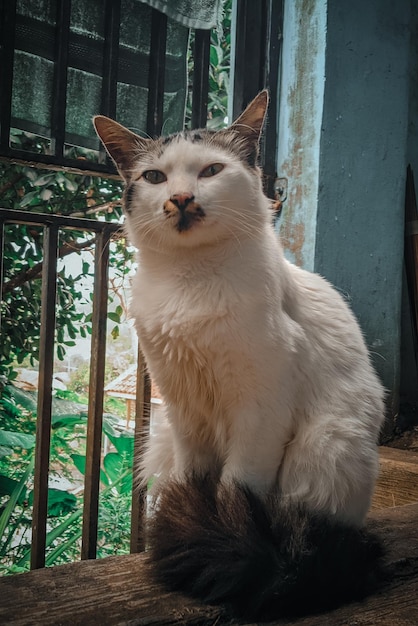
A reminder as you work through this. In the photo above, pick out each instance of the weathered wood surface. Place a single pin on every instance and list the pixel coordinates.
(119, 591)
(398, 478)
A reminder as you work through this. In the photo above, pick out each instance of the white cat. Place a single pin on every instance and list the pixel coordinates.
(262, 366)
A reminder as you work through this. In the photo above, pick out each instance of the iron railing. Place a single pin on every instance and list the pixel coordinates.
(104, 233)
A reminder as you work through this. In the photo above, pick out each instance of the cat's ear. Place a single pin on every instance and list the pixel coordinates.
(122, 145)
(250, 123)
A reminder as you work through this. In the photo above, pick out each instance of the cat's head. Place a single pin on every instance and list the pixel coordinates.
(191, 188)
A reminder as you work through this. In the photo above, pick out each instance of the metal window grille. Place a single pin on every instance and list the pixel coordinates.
(104, 233)
(109, 80)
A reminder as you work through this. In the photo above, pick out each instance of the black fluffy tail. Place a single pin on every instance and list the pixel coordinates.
(261, 558)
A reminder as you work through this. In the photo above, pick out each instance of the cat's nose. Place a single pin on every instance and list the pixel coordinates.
(181, 200)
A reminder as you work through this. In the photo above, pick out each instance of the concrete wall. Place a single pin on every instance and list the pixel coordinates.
(343, 147)
(409, 374)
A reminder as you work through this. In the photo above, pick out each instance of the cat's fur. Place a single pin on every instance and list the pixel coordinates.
(273, 407)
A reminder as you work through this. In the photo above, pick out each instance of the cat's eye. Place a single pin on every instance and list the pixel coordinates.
(154, 177)
(211, 170)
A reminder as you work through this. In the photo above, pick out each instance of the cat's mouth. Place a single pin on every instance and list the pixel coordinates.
(183, 215)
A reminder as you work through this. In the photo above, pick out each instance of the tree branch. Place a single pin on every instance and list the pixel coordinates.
(36, 271)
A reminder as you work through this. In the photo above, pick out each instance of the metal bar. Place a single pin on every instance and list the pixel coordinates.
(248, 75)
(156, 73)
(274, 39)
(12, 216)
(110, 57)
(200, 78)
(43, 423)
(142, 426)
(7, 38)
(49, 161)
(95, 409)
(62, 38)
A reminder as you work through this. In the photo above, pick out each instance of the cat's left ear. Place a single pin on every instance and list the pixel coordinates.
(250, 123)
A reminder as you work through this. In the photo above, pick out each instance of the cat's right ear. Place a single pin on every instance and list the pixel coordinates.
(122, 145)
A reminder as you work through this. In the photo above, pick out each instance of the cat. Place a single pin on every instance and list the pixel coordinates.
(267, 463)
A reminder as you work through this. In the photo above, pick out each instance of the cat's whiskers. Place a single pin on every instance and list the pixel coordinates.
(249, 229)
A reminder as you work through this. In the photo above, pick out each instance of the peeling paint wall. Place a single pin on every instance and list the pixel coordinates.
(302, 87)
(343, 130)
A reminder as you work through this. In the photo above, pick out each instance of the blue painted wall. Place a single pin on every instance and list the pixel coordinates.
(352, 127)
(301, 109)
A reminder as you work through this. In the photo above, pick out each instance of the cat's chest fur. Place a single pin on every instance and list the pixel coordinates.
(200, 322)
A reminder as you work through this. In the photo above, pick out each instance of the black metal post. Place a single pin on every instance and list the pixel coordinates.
(200, 78)
(7, 39)
(62, 37)
(156, 73)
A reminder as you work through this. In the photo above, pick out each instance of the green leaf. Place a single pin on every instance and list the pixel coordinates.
(70, 185)
(123, 442)
(114, 317)
(80, 463)
(28, 198)
(67, 421)
(63, 547)
(57, 532)
(116, 468)
(60, 502)
(8, 485)
(53, 535)
(113, 464)
(14, 498)
(9, 438)
(214, 60)
(22, 398)
(46, 179)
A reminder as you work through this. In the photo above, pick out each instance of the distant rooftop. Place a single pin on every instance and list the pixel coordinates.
(124, 386)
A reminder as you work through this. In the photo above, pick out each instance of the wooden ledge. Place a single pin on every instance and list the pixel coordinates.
(398, 478)
(119, 591)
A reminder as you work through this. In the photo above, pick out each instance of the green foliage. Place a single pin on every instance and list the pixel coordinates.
(219, 69)
(65, 193)
(64, 508)
(47, 191)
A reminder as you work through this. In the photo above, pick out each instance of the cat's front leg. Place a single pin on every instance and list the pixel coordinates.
(256, 448)
(193, 455)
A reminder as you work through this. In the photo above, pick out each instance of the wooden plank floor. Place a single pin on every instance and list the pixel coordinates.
(398, 478)
(120, 591)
